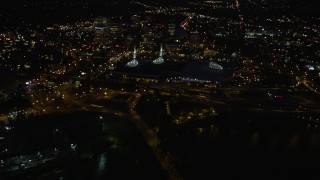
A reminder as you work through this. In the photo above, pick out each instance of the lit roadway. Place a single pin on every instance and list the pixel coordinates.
(153, 141)
(310, 85)
(201, 94)
(204, 96)
(185, 22)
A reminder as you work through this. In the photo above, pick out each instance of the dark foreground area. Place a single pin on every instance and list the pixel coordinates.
(247, 146)
(81, 145)
(237, 143)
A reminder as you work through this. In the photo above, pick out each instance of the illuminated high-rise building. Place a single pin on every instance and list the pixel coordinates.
(101, 30)
(172, 29)
(101, 21)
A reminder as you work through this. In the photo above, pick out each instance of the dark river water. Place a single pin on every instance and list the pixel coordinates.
(237, 145)
(247, 146)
